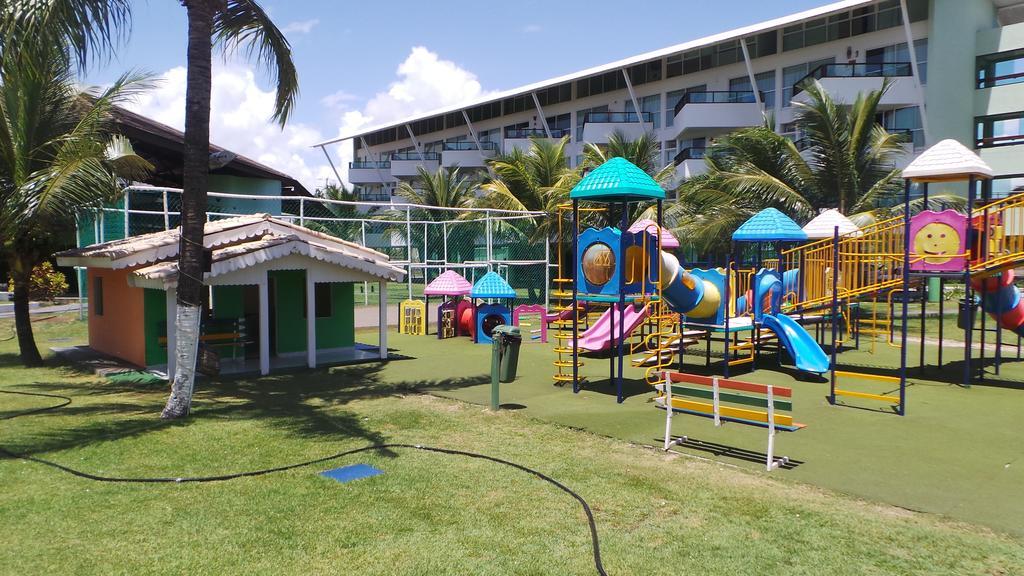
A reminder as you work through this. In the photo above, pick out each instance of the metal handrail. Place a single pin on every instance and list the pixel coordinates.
(453, 146)
(690, 153)
(370, 164)
(615, 117)
(718, 97)
(857, 70)
(426, 156)
(535, 133)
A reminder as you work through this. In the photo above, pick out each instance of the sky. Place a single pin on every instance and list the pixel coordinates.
(369, 63)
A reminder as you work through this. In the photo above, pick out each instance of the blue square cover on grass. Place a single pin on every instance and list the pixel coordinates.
(353, 472)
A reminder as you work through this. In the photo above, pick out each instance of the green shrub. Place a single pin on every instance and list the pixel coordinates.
(45, 284)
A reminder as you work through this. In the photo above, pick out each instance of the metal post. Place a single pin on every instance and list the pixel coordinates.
(623, 225)
(575, 297)
(366, 285)
(835, 305)
(408, 249)
(968, 293)
(547, 276)
(167, 216)
(127, 195)
(942, 316)
(906, 286)
(302, 212)
(725, 337)
(924, 302)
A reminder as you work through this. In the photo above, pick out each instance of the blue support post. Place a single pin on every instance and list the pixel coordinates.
(906, 286)
(623, 225)
(835, 305)
(575, 297)
(968, 292)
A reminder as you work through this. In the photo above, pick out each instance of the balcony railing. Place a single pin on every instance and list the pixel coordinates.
(426, 156)
(860, 70)
(692, 153)
(370, 164)
(451, 146)
(615, 117)
(717, 97)
(521, 133)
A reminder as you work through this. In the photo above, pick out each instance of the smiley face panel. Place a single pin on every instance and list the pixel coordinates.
(937, 242)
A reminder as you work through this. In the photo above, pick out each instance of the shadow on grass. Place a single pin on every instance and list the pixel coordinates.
(308, 404)
(725, 451)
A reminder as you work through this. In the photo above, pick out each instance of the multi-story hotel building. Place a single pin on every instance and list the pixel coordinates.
(956, 69)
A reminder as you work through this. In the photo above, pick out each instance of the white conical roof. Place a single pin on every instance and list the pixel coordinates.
(824, 225)
(946, 161)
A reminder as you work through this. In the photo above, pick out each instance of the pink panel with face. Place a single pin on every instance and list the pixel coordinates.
(938, 241)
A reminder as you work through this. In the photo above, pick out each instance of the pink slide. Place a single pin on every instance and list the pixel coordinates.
(600, 335)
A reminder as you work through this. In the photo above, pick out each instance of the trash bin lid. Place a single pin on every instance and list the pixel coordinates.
(506, 329)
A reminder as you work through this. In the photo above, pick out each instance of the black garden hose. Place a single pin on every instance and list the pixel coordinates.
(65, 400)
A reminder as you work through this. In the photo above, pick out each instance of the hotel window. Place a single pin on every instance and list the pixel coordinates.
(520, 103)
(904, 120)
(672, 98)
(454, 120)
(651, 104)
(97, 296)
(854, 22)
(484, 111)
(645, 72)
(424, 126)
(560, 124)
(898, 53)
(581, 117)
(765, 83)
(1000, 69)
(763, 44)
(600, 84)
(999, 130)
(554, 95)
(793, 74)
(1003, 186)
(492, 135)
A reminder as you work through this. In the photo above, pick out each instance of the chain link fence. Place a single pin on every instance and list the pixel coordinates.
(423, 240)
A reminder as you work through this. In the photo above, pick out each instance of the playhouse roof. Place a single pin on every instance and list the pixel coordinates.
(769, 225)
(824, 225)
(617, 180)
(947, 160)
(491, 285)
(450, 283)
(235, 243)
(668, 240)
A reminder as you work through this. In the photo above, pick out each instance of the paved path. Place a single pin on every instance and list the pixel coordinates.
(43, 310)
(367, 316)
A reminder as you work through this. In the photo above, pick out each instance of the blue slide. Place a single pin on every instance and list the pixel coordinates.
(806, 353)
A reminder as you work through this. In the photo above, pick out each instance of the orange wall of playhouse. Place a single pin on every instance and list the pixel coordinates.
(120, 330)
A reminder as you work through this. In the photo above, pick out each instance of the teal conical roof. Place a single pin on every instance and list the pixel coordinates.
(617, 180)
(769, 225)
(491, 285)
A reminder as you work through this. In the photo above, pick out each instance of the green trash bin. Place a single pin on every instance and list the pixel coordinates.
(510, 339)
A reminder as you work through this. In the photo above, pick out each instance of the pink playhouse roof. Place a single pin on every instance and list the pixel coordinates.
(667, 239)
(450, 283)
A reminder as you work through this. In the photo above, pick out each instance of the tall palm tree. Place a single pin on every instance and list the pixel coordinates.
(90, 27)
(643, 151)
(58, 154)
(532, 180)
(849, 164)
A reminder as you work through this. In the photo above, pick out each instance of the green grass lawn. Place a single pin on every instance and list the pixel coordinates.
(657, 513)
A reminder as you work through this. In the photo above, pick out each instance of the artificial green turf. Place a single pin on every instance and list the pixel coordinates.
(427, 514)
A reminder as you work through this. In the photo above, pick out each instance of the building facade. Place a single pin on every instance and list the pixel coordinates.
(956, 69)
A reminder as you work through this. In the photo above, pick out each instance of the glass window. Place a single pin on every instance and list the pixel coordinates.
(1000, 69)
(581, 117)
(793, 74)
(1003, 186)
(672, 98)
(898, 53)
(674, 66)
(765, 83)
(906, 120)
(651, 104)
(1001, 130)
(559, 125)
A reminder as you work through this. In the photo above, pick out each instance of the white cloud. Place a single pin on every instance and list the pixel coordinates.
(425, 82)
(532, 28)
(240, 118)
(300, 26)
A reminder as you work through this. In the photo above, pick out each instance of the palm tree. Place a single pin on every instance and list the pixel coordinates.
(849, 164)
(533, 181)
(58, 155)
(643, 151)
(89, 27)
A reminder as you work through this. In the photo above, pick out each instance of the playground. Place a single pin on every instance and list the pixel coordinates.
(655, 512)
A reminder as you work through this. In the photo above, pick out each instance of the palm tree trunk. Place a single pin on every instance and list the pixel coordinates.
(193, 202)
(21, 272)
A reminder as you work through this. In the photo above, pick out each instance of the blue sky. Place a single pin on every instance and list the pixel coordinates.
(357, 64)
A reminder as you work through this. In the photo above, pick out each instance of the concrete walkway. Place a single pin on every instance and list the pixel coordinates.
(368, 316)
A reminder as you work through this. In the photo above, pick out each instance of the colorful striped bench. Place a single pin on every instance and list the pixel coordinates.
(726, 400)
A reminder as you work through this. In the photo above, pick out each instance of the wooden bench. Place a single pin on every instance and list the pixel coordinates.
(726, 400)
(221, 333)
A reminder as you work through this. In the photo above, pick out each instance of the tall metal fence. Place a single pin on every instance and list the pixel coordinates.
(425, 240)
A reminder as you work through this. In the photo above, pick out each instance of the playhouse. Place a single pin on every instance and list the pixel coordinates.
(454, 288)
(496, 311)
(279, 295)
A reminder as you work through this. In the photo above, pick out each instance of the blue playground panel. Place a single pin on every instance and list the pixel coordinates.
(353, 472)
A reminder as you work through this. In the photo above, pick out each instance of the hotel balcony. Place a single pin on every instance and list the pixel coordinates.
(599, 126)
(707, 114)
(404, 165)
(519, 138)
(466, 154)
(844, 82)
(370, 172)
(689, 163)
(803, 145)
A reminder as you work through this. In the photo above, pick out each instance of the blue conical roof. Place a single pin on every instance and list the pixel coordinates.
(617, 180)
(769, 225)
(491, 285)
